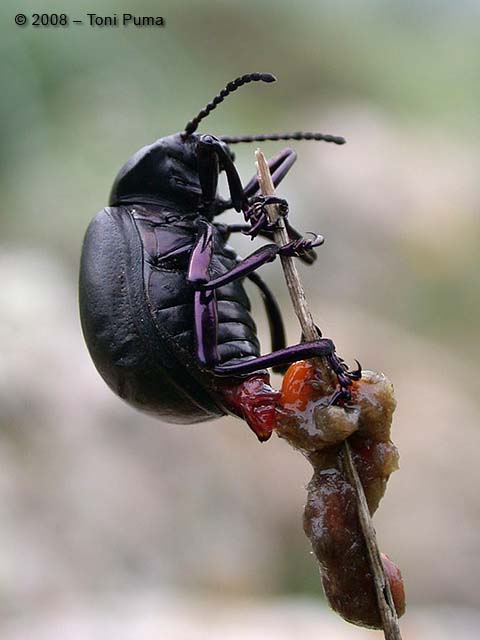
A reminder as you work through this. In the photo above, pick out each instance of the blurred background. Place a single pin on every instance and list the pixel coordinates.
(114, 525)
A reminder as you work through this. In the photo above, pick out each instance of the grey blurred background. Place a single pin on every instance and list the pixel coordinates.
(114, 525)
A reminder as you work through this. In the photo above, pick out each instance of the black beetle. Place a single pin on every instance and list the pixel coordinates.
(163, 308)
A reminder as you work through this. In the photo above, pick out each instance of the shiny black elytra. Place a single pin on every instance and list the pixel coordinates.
(163, 308)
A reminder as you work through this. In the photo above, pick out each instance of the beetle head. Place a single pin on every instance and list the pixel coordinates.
(167, 171)
(160, 173)
(182, 170)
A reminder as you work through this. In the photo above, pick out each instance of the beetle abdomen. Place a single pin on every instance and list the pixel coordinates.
(130, 350)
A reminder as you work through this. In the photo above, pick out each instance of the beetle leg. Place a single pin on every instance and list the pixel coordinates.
(201, 255)
(308, 256)
(257, 206)
(274, 315)
(272, 309)
(207, 147)
(319, 348)
(279, 166)
(302, 245)
(258, 258)
(251, 398)
(206, 327)
(205, 304)
(251, 263)
(257, 216)
(227, 229)
(208, 171)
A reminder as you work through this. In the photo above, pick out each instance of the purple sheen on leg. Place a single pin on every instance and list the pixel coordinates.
(261, 256)
(201, 256)
(206, 324)
(256, 228)
(279, 174)
(323, 347)
(274, 163)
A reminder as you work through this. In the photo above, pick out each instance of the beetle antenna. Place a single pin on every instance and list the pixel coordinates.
(230, 88)
(299, 135)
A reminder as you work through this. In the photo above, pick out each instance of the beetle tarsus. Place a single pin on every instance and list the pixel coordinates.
(345, 377)
(299, 247)
(256, 214)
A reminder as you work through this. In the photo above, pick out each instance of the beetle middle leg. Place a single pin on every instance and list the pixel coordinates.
(212, 157)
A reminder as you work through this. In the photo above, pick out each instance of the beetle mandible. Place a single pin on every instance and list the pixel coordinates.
(163, 308)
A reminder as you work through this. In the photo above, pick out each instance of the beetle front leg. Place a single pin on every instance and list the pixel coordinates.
(279, 166)
(208, 171)
(206, 327)
(212, 152)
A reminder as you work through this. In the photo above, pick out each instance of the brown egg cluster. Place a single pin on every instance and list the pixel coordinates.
(318, 429)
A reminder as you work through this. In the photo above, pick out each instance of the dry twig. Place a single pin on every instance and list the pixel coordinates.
(388, 614)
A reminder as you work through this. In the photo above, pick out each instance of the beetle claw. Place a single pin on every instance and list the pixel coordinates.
(301, 246)
(261, 224)
(345, 377)
(256, 214)
(356, 374)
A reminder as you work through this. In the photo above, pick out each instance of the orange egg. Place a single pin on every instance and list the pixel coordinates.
(296, 387)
